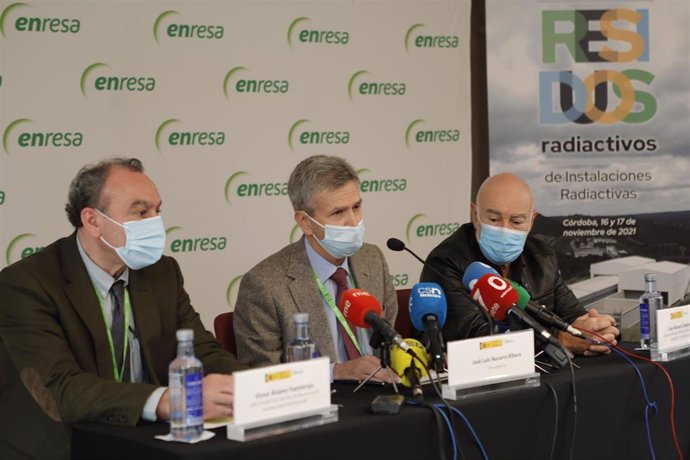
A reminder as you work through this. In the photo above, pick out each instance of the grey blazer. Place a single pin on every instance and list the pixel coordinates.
(282, 285)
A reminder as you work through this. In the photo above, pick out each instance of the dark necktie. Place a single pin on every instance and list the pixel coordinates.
(340, 279)
(117, 327)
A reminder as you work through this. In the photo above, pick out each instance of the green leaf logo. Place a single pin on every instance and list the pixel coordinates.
(293, 128)
(231, 287)
(85, 75)
(8, 130)
(160, 129)
(352, 81)
(409, 34)
(5, 13)
(159, 19)
(169, 230)
(13, 243)
(410, 128)
(228, 184)
(294, 233)
(292, 26)
(409, 225)
(227, 78)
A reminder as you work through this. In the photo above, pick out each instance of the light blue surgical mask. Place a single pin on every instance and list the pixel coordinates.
(144, 241)
(341, 241)
(499, 244)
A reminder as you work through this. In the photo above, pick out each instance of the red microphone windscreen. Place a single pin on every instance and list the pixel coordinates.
(356, 303)
(495, 294)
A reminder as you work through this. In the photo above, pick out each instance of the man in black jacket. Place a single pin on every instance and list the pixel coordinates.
(502, 218)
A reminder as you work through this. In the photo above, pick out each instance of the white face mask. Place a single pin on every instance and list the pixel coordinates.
(144, 241)
(341, 241)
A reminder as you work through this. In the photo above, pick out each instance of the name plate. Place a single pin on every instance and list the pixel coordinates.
(673, 328)
(276, 393)
(491, 359)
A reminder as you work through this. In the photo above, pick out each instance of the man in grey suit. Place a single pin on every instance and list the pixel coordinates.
(70, 349)
(304, 277)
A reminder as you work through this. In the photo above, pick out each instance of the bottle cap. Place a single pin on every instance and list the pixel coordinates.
(650, 276)
(185, 334)
(301, 317)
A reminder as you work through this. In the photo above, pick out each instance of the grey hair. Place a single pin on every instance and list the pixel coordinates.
(314, 174)
(85, 189)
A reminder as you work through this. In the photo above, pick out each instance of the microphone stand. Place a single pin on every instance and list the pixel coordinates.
(377, 341)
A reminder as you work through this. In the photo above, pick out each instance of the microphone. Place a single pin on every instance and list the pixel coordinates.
(474, 271)
(540, 312)
(407, 367)
(499, 297)
(397, 245)
(363, 310)
(428, 308)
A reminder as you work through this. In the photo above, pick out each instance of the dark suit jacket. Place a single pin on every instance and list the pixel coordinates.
(536, 270)
(55, 360)
(282, 285)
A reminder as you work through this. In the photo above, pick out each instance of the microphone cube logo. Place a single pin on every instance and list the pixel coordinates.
(605, 96)
(429, 291)
(346, 307)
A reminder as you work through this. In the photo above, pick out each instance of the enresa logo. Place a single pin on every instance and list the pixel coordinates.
(168, 135)
(416, 227)
(238, 186)
(595, 36)
(302, 32)
(361, 83)
(99, 77)
(167, 26)
(416, 134)
(235, 80)
(301, 134)
(19, 134)
(369, 185)
(195, 244)
(12, 14)
(417, 37)
(20, 247)
(400, 279)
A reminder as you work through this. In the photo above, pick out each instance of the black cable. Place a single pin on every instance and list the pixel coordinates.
(555, 418)
(436, 385)
(572, 439)
(439, 424)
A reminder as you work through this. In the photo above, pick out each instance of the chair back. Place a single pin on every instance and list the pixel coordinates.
(403, 325)
(225, 332)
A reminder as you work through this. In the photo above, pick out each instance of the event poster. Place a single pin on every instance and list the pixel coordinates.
(589, 102)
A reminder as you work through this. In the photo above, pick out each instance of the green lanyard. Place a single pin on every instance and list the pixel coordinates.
(336, 311)
(118, 372)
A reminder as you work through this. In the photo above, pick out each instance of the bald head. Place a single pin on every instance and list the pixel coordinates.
(504, 200)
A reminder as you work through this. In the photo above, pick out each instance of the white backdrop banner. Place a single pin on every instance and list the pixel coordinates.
(220, 100)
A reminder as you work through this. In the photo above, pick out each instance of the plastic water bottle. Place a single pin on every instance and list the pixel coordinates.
(185, 376)
(650, 302)
(302, 347)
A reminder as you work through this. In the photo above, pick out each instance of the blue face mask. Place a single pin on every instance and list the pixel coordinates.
(501, 245)
(341, 241)
(144, 241)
